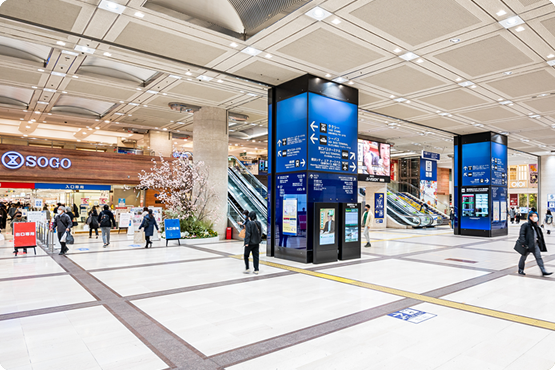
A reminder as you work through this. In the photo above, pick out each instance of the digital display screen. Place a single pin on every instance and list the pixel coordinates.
(327, 226)
(475, 209)
(351, 225)
(374, 158)
(482, 207)
(468, 205)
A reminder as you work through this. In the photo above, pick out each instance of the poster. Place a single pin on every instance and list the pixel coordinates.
(533, 175)
(85, 200)
(121, 202)
(172, 229)
(290, 216)
(36, 216)
(124, 220)
(503, 211)
(103, 200)
(327, 226)
(429, 189)
(351, 225)
(374, 159)
(38, 203)
(496, 211)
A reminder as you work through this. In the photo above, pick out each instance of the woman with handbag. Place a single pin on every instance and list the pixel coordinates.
(149, 223)
(531, 241)
(63, 224)
(92, 221)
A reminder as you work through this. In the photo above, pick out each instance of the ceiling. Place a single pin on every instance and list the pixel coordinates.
(465, 72)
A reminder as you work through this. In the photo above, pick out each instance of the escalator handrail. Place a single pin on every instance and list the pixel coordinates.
(242, 166)
(408, 220)
(249, 186)
(425, 220)
(416, 190)
(260, 207)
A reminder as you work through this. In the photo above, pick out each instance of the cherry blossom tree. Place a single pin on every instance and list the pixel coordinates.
(183, 187)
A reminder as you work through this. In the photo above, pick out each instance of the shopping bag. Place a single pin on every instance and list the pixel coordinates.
(64, 238)
(69, 239)
(86, 227)
(138, 237)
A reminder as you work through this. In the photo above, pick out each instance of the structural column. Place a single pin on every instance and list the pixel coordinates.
(547, 184)
(210, 143)
(160, 142)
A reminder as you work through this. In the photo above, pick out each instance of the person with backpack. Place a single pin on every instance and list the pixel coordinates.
(548, 221)
(149, 223)
(92, 221)
(62, 223)
(106, 220)
(253, 237)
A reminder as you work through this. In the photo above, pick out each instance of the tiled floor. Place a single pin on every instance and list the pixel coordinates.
(126, 307)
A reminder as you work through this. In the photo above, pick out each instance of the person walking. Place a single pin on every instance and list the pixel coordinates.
(548, 221)
(253, 237)
(62, 223)
(452, 218)
(3, 217)
(46, 212)
(366, 223)
(531, 237)
(149, 223)
(17, 217)
(92, 221)
(517, 218)
(512, 214)
(106, 221)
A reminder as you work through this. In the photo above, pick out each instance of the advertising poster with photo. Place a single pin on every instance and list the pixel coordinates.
(351, 225)
(290, 216)
(533, 170)
(428, 189)
(327, 226)
(374, 161)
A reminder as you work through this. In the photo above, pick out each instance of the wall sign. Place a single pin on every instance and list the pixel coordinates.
(431, 156)
(72, 187)
(14, 160)
(379, 202)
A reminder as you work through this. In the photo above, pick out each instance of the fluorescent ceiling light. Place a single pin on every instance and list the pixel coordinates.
(119, 114)
(455, 41)
(458, 79)
(176, 77)
(269, 56)
(107, 54)
(501, 13)
(318, 13)
(466, 83)
(551, 62)
(408, 56)
(61, 43)
(506, 102)
(111, 6)
(139, 15)
(420, 60)
(134, 104)
(50, 90)
(59, 74)
(340, 80)
(75, 76)
(551, 56)
(43, 102)
(152, 92)
(400, 100)
(251, 51)
(251, 94)
(84, 49)
(511, 22)
(336, 21)
(69, 53)
(508, 73)
(106, 121)
(188, 74)
(397, 50)
(233, 45)
(205, 78)
(519, 29)
(535, 116)
(392, 96)
(220, 81)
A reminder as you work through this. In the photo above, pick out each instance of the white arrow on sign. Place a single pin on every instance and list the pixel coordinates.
(312, 138)
(303, 163)
(313, 126)
(279, 142)
(353, 167)
(487, 180)
(465, 168)
(279, 153)
(353, 156)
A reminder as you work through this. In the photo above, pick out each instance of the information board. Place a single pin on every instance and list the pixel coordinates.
(330, 187)
(290, 218)
(499, 205)
(332, 135)
(351, 225)
(124, 220)
(476, 159)
(475, 208)
(24, 234)
(379, 205)
(291, 134)
(289, 186)
(327, 226)
(36, 216)
(172, 229)
(498, 164)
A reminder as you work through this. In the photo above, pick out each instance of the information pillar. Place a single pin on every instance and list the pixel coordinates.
(312, 145)
(480, 179)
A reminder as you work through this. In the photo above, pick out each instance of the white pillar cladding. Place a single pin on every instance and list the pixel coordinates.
(547, 182)
(210, 143)
(160, 142)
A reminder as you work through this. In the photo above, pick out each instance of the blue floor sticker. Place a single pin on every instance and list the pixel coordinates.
(82, 249)
(412, 315)
(135, 245)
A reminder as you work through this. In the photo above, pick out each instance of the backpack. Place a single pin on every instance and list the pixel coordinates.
(105, 220)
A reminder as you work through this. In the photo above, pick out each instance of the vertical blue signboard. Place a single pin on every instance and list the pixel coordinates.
(476, 160)
(172, 229)
(291, 134)
(291, 190)
(499, 164)
(332, 135)
(428, 170)
(379, 202)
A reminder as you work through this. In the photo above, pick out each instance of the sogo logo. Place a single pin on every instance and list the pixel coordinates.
(14, 160)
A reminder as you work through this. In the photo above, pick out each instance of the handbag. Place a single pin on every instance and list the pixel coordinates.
(69, 239)
(242, 233)
(89, 220)
(520, 248)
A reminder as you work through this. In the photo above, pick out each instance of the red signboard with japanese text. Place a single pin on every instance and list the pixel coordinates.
(24, 234)
(17, 185)
(513, 200)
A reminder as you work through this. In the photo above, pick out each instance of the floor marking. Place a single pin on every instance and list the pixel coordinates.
(402, 293)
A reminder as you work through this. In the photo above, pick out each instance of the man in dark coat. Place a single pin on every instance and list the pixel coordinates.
(531, 237)
(253, 237)
(149, 223)
(106, 221)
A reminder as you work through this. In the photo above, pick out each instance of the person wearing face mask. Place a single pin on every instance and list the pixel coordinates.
(62, 222)
(531, 237)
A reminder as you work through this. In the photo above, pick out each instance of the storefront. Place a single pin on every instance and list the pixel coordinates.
(39, 177)
(523, 187)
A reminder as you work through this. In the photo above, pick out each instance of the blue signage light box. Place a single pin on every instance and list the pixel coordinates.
(291, 134)
(72, 187)
(476, 164)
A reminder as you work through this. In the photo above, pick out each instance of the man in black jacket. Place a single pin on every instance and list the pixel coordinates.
(106, 220)
(253, 237)
(62, 222)
(531, 237)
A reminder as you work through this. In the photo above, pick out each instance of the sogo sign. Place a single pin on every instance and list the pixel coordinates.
(14, 160)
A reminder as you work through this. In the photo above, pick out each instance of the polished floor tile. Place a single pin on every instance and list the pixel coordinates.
(32, 294)
(394, 248)
(28, 266)
(484, 259)
(84, 339)
(219, 319)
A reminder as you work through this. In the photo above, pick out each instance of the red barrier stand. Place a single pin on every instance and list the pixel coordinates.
(24, 236)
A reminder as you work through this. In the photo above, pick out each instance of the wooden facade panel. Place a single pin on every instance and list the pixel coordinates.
(443, 181)
(86, 167)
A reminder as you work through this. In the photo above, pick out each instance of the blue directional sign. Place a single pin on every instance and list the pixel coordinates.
(172, 229)
(291, 134)
(428, 170)
(411, 315)
(332, 187)
(72, 186)
(498, 164)
(476, 160)
(430, 155)
(332, 135)
(379, 202)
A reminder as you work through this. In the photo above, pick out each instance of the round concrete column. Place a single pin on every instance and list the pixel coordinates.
(210, 143)
(547, 182)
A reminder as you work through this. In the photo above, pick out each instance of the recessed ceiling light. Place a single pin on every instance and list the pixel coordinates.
(500, 99)
(49, 114)
(111, 6)
(328, 75)
(25, 135)
(205, 78)
(408, 56)
(466, 83)
(233, 45)
(119, 114)
(107, 54)
(59, 74)
(392, 96)
(188, 73)
(34, 87)
(164, 94)
(408, 102)
(397, 50)
(438, 111)
(551, 56)
(165, 129)
(146, 106)
(508, 73)
(501, 13)
(400, 100)
(37, 112)
(176, 77)
(511, 22)
(511, 104)
(220, 81)
(27, 126)
(525, 140)
(551, 63)
(84, 49)
(473, 86)
(454, 41)
(61, 43)
(251, 51)
(519, 29)
(139, 15)
(318, 13)
(78, 140)
(351, 82)
(40, 70)
(70, 53)
(269, 56)
(458, 79)
(138, 88)
(50, 90)
(75, 76)
(42, 102)
(420, 60)
(98, 128)
(535, 116)
(106, 121)
(152, 92)
(336, 21)
(340, 80)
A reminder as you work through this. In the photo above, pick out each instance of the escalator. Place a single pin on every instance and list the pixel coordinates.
(440, 217)
(406, 214)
